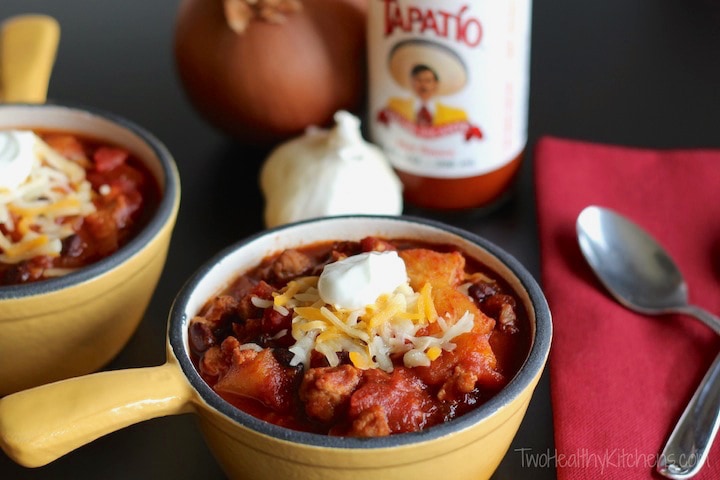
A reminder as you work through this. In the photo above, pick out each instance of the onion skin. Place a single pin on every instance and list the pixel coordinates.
(272, 81)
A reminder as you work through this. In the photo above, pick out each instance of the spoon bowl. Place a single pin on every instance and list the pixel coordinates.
(634, 267)
(642, 276)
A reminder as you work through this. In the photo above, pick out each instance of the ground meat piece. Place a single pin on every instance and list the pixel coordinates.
(288, 265)
(212, 363)
(461, 381)
(371, 423)
(472, 363)
(220, 308)
(217, 359)
(234, 354)
(242, 286)
(246, 309)
(326, 391)
(508, 319)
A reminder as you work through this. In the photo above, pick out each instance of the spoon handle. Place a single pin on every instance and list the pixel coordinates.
(703, 315)
(689, 444)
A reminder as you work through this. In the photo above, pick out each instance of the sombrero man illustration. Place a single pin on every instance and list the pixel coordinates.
(430, 71)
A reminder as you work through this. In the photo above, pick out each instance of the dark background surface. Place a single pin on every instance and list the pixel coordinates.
(630, 72)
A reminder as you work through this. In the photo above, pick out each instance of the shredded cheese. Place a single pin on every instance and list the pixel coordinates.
(371, 335)
(36, 215)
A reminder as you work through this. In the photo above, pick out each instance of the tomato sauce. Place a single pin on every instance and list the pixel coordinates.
(125, 195)
(243, 348)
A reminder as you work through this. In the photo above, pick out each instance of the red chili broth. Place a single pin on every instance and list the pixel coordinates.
(510, 349)
(131, 168)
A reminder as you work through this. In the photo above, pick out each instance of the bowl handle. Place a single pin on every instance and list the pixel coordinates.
(44, 423)
(28, 44)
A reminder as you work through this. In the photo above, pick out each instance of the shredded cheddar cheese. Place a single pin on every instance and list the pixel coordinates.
(371, 335)
(36, 215)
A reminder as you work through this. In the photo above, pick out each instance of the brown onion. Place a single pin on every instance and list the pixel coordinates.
(272, 80)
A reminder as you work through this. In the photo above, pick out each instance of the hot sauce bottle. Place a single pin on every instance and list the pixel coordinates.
(448, 96)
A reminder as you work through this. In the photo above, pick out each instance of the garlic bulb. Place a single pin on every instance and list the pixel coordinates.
(327, 173)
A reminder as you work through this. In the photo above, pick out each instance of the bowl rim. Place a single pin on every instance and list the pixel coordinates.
(531, 368)
(169, 200)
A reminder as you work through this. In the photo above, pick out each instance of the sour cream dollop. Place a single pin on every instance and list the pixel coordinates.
(357, 281)
(17, 155)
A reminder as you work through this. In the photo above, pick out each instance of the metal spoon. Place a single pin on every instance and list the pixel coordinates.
(643, 277)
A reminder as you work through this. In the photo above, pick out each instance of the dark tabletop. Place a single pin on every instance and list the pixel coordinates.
(629, 72)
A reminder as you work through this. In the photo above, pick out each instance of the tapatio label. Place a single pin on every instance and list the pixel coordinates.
(449, 82)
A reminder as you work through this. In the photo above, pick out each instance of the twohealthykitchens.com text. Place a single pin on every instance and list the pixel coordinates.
(599, 461)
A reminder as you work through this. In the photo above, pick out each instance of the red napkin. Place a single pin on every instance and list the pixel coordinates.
(620, 380)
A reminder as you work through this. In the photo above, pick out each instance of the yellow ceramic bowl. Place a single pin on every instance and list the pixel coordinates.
(39, 425)
(74, 325)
